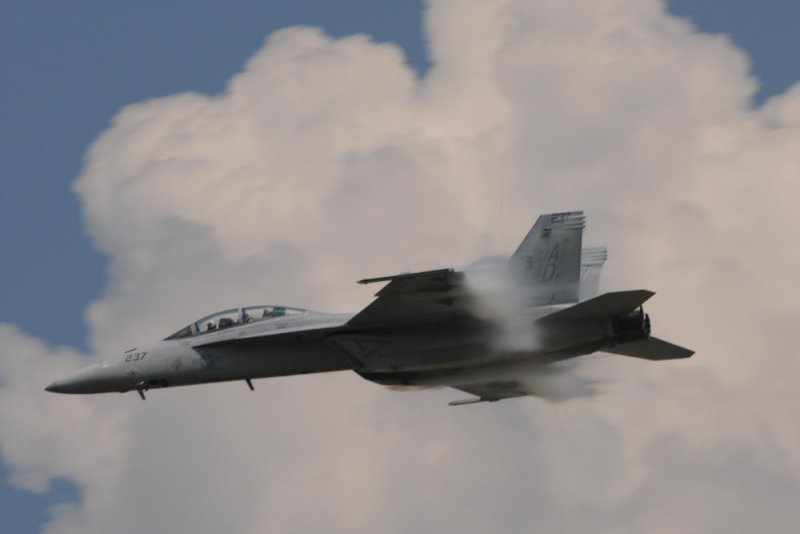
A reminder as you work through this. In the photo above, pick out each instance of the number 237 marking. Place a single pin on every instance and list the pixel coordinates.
(135, 356)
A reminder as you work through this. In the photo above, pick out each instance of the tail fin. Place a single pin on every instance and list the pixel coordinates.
(630, 326)
(549, 258)
(592, 260)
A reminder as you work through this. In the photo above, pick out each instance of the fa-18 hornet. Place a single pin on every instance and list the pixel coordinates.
(423, 329)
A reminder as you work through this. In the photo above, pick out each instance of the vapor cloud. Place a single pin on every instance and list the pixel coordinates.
(326, 160)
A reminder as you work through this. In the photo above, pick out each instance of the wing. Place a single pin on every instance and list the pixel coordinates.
(413, 297)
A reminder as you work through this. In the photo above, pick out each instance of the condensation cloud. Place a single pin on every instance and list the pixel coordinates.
(326, 160)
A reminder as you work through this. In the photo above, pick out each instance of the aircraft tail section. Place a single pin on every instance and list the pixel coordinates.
(549, 258)
(629, 332)
(651, 348)
(606, 306)
(592, 260)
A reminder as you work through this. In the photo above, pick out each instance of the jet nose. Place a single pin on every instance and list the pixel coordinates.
(86, 380)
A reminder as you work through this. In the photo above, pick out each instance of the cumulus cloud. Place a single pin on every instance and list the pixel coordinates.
(326, 160)
(42, 440)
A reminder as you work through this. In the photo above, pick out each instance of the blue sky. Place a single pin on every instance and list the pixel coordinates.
(70, 66)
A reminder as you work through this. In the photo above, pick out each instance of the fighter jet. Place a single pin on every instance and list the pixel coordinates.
(426, 328)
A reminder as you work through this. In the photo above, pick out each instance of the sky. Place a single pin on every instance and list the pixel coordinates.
(673, 140)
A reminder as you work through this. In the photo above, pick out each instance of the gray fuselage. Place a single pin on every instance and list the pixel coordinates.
(419, 352)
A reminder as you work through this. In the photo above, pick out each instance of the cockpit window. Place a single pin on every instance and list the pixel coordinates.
(234, 317)
(186, 331)
(261, 313)
(218, 321)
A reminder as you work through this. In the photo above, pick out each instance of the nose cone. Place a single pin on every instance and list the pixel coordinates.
(85, 380)
(55, 387)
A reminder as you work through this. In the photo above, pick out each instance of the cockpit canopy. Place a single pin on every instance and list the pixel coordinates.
(234, 317)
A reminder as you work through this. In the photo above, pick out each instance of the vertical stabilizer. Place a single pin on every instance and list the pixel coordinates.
(549, 258)
(592, 260)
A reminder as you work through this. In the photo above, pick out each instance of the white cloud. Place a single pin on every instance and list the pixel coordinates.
(41, 439)
(326, 160)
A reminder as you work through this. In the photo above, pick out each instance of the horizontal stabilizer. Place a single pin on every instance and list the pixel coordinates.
(651, 348)
(606, 305)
